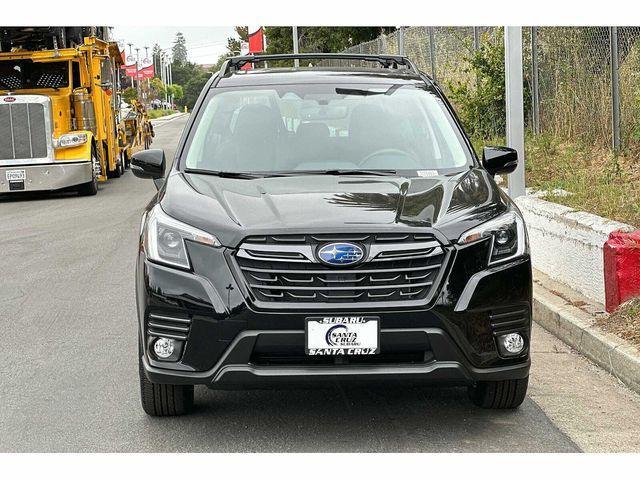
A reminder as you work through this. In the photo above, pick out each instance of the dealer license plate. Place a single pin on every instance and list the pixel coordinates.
(350, 335)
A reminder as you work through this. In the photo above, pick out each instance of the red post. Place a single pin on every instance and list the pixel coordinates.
(621, 268)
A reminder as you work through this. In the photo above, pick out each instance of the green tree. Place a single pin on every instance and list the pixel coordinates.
(193, 87)
(481, 104)
(175, 91)
(233, 43)
(157, 88)
(320, 39)
(129, 95)
(179, 50)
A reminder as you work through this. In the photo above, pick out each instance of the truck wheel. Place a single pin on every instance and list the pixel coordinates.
(117, 173)
(90, 188)
(499, 394)
(127, 162)
(160, 400)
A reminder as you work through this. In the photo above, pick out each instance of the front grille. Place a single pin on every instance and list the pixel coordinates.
(23, 133)
(168, 326)
(284, 268)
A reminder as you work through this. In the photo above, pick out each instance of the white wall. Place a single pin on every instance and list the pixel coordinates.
(566, 244)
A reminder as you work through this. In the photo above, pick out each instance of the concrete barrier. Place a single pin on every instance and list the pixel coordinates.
(567, 245)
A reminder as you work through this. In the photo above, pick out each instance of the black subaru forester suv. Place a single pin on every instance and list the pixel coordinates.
(329, 224)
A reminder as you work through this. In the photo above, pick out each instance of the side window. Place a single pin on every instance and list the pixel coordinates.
(106, 73)
(75, 75)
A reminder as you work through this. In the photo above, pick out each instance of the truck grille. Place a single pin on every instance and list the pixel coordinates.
(397, 268)
(22, 131)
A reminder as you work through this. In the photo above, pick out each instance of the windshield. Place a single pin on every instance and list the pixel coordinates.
(26, 74)
(319, 127)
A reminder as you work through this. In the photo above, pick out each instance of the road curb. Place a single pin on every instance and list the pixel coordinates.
(156, 122)
(576, 328)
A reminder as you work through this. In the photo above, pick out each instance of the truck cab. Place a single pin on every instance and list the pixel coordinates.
(57, 118)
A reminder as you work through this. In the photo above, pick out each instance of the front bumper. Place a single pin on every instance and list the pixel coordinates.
(230, 343)
(235, 369)
(49, 176)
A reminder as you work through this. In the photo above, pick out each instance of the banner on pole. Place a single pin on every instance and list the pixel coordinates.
(256, 39)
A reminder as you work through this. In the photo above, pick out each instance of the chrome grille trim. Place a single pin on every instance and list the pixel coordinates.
(25, 130)
(349, 288)
(397, 267)
(168, 326)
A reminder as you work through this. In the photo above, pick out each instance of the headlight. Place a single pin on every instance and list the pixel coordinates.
(165, 237)
(70, 140)
(507, 234)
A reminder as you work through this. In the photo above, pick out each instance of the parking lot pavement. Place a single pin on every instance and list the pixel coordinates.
(69, 370)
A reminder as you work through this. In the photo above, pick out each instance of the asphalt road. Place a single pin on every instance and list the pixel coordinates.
(69, 381)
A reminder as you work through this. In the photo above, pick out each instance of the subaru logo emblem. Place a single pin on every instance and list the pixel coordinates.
(340, 254)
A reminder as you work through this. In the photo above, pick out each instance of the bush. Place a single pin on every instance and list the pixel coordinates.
(481, 105)
(129, 95)
(160, 113)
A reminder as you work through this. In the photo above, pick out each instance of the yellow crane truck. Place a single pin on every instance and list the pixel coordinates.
(136, 131)
(58, 117)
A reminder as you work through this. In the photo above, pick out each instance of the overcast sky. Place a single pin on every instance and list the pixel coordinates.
(204, 44)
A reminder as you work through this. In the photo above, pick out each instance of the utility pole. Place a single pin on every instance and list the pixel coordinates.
(515, 105)
(615, 89)
(432, 51)
(401, 41)
(535, 83)
(296, 46)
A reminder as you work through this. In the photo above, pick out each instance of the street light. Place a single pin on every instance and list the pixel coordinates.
(163, 75)
(138, 73)
(146, 57)
(130, 57)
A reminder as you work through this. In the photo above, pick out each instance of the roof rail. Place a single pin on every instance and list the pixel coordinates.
(233, 64)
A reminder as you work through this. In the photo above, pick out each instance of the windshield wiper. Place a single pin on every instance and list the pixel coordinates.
(292, 173)
(354, 172)
(227, 174)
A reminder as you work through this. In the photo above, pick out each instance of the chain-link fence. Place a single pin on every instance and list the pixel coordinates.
(581, 83)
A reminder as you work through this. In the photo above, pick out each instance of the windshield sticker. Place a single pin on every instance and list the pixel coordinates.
(427, 173)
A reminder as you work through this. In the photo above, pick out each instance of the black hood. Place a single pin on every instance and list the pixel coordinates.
(231, 209)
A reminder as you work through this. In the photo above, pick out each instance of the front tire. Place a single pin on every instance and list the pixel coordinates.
(501, 394)
(160, 400)
(90, 188)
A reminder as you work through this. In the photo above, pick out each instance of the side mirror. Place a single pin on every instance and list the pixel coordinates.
(149, 164)
(499, 159)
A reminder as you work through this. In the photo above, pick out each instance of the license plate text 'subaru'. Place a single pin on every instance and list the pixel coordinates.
(349, 335)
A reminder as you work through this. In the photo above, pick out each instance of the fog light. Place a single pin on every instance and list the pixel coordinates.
(513, 342)
(163, 347)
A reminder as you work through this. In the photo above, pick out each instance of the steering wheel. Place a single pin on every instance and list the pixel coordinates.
(386, 151)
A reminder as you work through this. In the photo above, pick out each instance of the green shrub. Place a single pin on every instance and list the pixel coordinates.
(481, 104)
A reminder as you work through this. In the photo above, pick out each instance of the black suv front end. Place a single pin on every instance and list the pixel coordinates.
(269, 280)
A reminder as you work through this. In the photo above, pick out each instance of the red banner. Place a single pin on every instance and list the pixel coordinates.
(130, 70)
(147, 72)
(256, 39)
